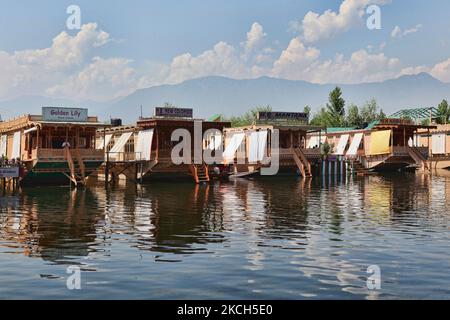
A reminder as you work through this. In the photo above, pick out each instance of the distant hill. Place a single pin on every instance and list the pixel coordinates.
(211, 95)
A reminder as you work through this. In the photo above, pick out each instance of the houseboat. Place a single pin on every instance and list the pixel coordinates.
(438, 141)
(382, 145)
(276, 139)
(56, 147)
(144, 151)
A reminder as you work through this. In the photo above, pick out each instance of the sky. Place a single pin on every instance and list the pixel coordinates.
(123, 46)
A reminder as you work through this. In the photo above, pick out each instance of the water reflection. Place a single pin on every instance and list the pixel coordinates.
(282, 237)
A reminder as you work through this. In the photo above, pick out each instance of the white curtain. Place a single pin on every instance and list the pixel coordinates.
(314, 141)
(144, 144)
(354, 146)
(214, 140)
(103, 143)
(438, 143)
(341, 145)
(16, 145)
(3, 144)
(232, 146)
(257, 146)
(120, 144)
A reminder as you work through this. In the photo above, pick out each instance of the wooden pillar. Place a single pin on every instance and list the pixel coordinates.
(392, 140)
(77, 130)
(107, 170)
(404, 136)
(291, 138)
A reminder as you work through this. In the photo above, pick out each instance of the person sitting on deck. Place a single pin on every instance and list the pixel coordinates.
(66, 144)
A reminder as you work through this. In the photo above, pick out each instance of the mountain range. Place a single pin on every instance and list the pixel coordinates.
(213, 95)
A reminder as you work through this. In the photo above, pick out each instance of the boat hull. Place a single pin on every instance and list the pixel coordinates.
(54, 173)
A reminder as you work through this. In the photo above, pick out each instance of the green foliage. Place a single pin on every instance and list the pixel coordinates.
(307, 110)
(336, 108)
(326, 149)
(353, 116)
(321, 118)
(425, 122)
(443, 113)
(381, 115)
(366, 114)
(169, 105)
(333, 115)
(249, 117)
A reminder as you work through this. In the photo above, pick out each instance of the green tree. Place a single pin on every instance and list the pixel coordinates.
(336, 108)
(249, 117)
(169, 105)
(381, 115)
(307, 110)
(354, 119)
(321, 118)
(369, 111)
(443, 113)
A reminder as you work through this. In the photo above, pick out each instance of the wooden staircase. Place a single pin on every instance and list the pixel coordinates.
(302, 163)
(358, 168)
(200, 173)
(418, 158)
(77, 171)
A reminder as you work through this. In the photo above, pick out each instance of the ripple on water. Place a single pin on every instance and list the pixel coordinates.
(255, 239)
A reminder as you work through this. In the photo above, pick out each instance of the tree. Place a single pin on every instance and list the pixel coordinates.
(369, 111)
(326, 149)
(321, 118)
(354, 119)
(443, 113)
(169, 105)
(381, 115)
(307, 110)
(336, 107)
(249, 117)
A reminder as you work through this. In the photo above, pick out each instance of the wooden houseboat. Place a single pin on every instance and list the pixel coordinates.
(438, 142)
(144, 151)
(56, 147)
(383, 145)
(251, 149)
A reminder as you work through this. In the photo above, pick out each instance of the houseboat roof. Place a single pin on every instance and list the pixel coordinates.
(306, 128)
(392, 123)
(29, 120)
(177, 121)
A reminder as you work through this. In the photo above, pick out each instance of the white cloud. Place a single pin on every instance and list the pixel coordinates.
(254, 38)
(397, 32)
(295, 60)
(441, 70)
(360, 67)
(299, 62)
(222, 60)
(33, 71)
(316, 26)
(71, 68)
(102, 79)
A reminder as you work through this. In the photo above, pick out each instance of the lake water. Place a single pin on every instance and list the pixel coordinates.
(273, 238)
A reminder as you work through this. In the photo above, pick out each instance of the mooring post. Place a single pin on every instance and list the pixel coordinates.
(107, 170)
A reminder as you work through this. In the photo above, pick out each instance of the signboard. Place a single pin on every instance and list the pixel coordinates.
(396, 121)
(64, 114)
(283, 116)
(173, 112)
(9, 172)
